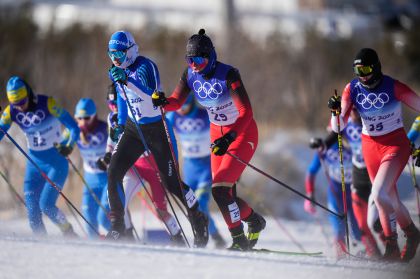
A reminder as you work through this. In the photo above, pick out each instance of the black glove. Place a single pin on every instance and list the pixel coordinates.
(221, 145)
(315, 143)
(103, 163)
(63, 149)
(416, 157)
(116, 132)
(159, 99)
(334, 103)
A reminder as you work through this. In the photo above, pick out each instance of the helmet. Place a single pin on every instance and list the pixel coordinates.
(85, 108)
(200, 45)
(123, 48)
(366, 63)
(17, 91)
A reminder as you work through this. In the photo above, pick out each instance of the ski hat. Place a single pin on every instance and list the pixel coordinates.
(85, 108)
(124, 48)
(17, 91)
(200, 45)
(365, 63)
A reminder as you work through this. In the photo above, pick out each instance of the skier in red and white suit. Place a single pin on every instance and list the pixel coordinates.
(218, 88)
(385, 146)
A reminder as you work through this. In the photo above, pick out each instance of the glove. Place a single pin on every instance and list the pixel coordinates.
(416, 157)
(316, 143)
(63, 149)
(159, 99)
(116, 132)
(308, 206)
(118, 74)
(103, 163)
(221, 145)
(334, 103)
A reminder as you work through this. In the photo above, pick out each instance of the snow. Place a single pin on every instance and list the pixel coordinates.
(25, 256)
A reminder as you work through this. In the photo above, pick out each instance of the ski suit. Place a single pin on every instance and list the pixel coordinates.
(193, 130)
(385, 146)
(223, 95)
(331, 159)
(41, 124)
(92, 147)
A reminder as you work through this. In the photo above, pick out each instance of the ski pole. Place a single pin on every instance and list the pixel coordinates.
(143, 140)
(343, 185)
(91, 192)
(12, 189)
(45, 176)
(284, 185)
(416, 186)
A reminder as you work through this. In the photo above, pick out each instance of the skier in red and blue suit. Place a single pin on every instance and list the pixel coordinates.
(218, 88)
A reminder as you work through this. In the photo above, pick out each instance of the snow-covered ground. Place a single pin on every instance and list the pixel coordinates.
(23, 256)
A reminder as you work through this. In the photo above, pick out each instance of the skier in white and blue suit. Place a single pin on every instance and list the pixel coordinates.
(92, 146)
(192, 126)
(41, 119)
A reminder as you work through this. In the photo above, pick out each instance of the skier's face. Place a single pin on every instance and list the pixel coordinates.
(112, 105)
(117, 56)
(197, 63)
(22, 105)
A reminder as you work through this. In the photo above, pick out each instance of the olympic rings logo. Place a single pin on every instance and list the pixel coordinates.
(190, 125)
(372, 100)
(30, 118)
(207, 89)
(334, 156)
(354, 133)
(95, 140)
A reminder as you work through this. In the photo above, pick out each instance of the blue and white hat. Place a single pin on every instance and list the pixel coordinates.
(124, 41)
(85, 108)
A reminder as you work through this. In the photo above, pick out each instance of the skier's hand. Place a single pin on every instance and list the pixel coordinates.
(159, 99)
(334, 103)
(315, 143)
(309, 206)
(118, 74)
(416, 157)
(64, 149)
(103, 163)
(221, 145)
(116, 132)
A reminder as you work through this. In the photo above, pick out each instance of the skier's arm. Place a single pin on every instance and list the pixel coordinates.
(414, 130)
(180, 94)
(406, 95)
(65, 118)
(5, 121)
(311, 175)
(346, 106)
(122, 108)
(241, 101)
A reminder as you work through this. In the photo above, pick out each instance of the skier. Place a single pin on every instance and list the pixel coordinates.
(192, 126)
(144, 166)
(386, 148)
(331, 158)
(360, 185)
(40, 118)
(92, 145)
(219, 88)
(137, 78)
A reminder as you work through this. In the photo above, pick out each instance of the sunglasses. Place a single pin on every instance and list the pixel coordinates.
(198, 60)
(84, 118)
(20, 103)
(362, 71)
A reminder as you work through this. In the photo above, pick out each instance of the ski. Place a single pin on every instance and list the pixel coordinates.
(269, 251)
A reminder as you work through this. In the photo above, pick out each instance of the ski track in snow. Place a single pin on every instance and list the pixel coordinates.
(25, 256)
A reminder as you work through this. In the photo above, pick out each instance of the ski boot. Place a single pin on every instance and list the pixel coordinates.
(199, 223)
(240, 243)
(67, 230)
(372, 250)
(413, 240)
(117, 231)
(219, 242)
(256, 223)
(129, 234)
(178, 240)
(392, 251)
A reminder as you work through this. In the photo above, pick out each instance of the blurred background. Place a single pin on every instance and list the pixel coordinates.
(291, 54)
